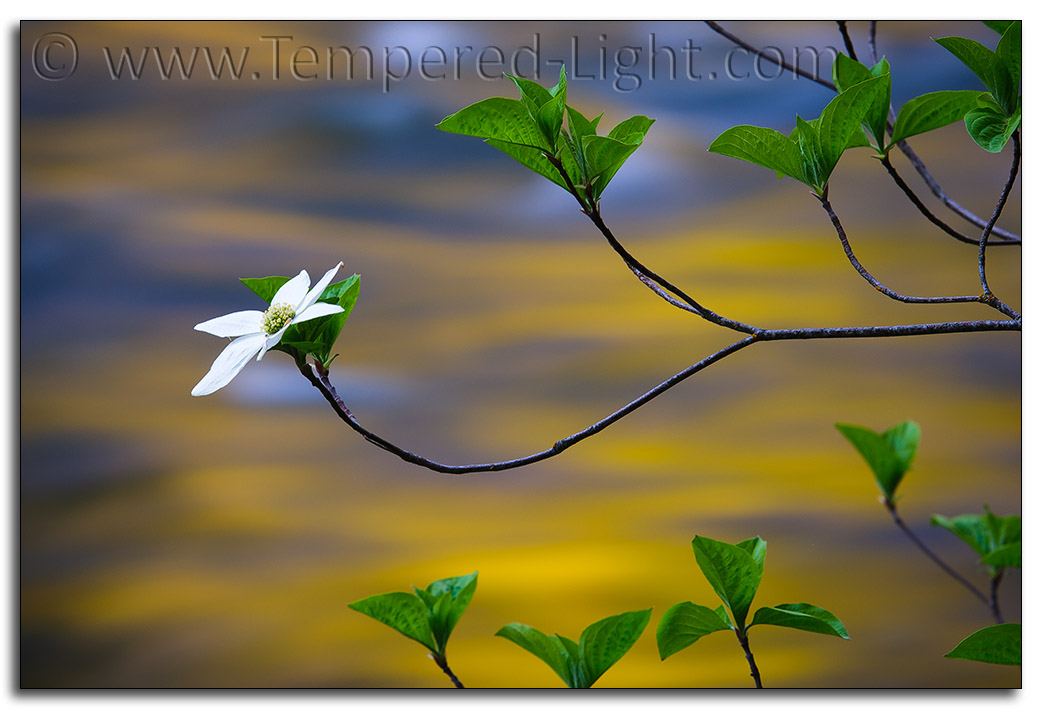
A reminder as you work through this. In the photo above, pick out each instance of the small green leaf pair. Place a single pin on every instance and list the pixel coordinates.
(734, 571)
(531, 130)
(582, 663)
(313, 337)
(429, 615)
(995, 539)
(888, 454)
(997, 644)
(918, 115)
(993, 119)
(810, 153)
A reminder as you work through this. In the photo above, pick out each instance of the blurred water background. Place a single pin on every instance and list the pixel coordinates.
(168, 541)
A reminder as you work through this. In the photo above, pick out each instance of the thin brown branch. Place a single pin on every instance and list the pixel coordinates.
(947, 201)
(319, 378)
(875, 282)
(962, 580)
(754, 671)
(846, 39)
(764, 55)
(982, 251)
(934, 219)
(444, 665)
(659, 285)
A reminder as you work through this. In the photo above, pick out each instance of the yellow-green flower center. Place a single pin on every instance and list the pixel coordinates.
(276, 317)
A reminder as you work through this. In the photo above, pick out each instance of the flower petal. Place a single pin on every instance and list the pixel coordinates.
(293, 290)
(229, 363)
(272, 340)
(316, 292)
(243, 322)
(316, 311)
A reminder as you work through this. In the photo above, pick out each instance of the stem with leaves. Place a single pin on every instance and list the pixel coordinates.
(913, 158)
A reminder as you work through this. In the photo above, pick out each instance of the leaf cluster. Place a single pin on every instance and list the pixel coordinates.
(427, 616)
(734, 571)
(582, 663)
(312, 337)
(889, 454)
(811, 151)
(995, 539)
(996, 113)
(551, 138)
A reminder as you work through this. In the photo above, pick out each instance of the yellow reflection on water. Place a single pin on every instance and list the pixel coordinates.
(168, 541)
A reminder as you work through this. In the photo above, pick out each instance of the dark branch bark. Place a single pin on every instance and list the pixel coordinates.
(444, 665)
(754, 671)
(872, 279)
(934, 219)
(892, 507)
(982, 251)
(774, 60)
(846, 39)
(320, 379)
(947, 201)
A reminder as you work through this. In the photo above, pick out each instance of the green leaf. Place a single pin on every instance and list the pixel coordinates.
(987, 534)
(1008, 555)
(847, 72)
(499, 118)
(931, 111)
(762, 146)
(685, 623)
(842, 116)
(998, 25)
(889, 454)
(604, 643)
(1008, 52)
(757, 548)
(265, 287)
(989, 68)
(576, 668)
(732, 572)
(533, 158)
(801, 616)
(548, 649)
(998, 644)
(402, 611)
(533, 95)
(989, 126)
(454, 595)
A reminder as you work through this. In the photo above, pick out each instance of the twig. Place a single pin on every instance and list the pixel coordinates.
(982, 252)
(991, 604)
(947, 201)
(754, 671)
(872, 279)
(993, 597)
(319, 378)
(775, 60)
(872, 42)
(444, 665)
(659, 285)
(846, 39)
(934, 219)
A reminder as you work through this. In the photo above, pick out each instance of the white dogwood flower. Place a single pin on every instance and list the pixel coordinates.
(256, 332)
